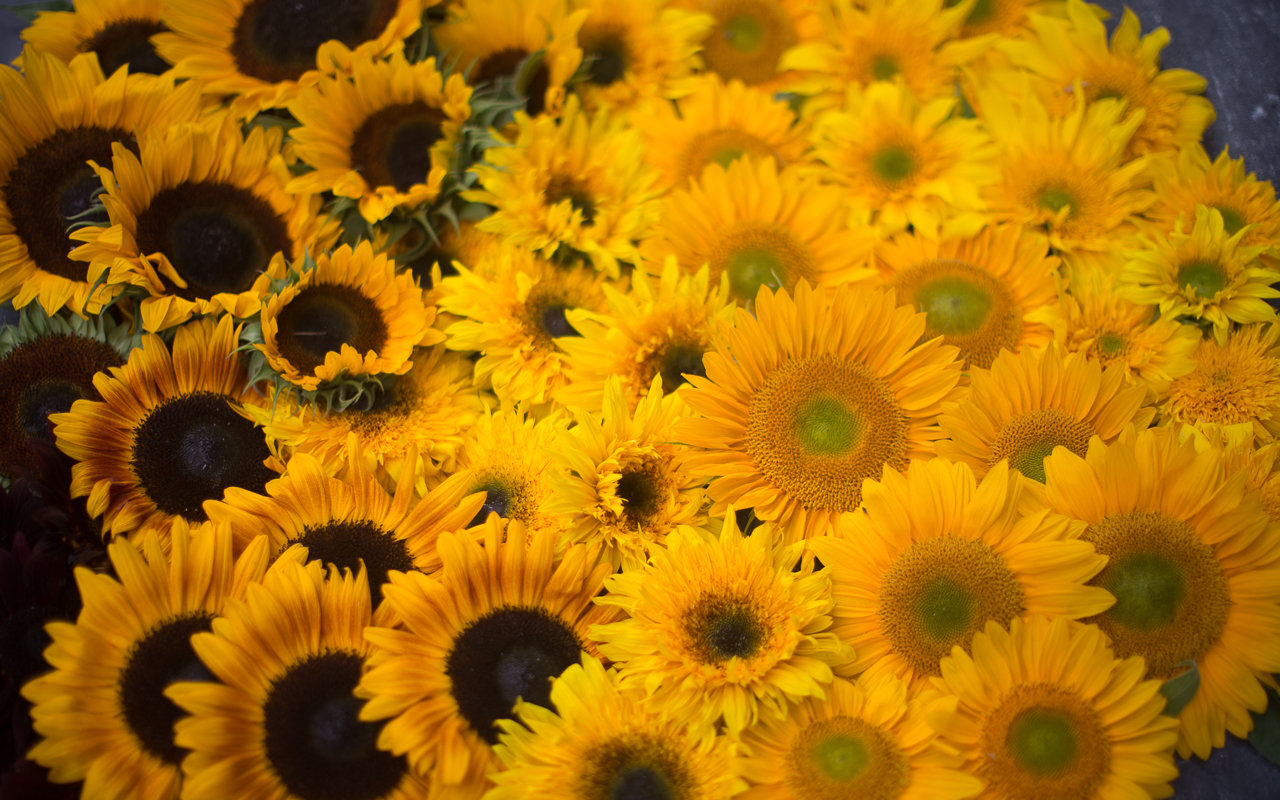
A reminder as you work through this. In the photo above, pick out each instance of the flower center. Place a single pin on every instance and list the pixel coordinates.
(1029, 438)
(1111, 343)
(162, 657)
(609, 54)
(966, 305)
(1171, 594)
(322, 318)
(744, 33)
(1056, 198)
(562, 188)
(748, 39)
(721, 146)
(722, 627)
(826, 426)
(940, 592)
(503, 64)
(635, 766)
(127, 41)
(893, 165)
(348, 543)
(678, 360)
(843, 757)
(393, 146)
(759, 254)
(276, 40)
(1232, 220)
(640, 490)
(883, 68)
(1204, 278)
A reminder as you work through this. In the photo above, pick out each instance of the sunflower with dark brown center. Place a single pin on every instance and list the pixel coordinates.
(118, 31)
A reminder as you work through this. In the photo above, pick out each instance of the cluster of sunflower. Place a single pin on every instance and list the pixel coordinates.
(629, 399)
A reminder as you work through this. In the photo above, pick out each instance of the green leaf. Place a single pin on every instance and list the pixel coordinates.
(1266, 728)
(27, 11)
(1179, 691)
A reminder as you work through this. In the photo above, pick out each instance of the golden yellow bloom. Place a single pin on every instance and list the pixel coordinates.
(118, 31)
(1189, 180)
(1236, 382)
(749, 37)
(1010, 18)
(508, 456)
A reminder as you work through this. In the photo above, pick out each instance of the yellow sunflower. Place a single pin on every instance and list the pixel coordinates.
(1012, 18)
(808, 397)
(867, 740)
(385, 136)
(1236, 382)
(649, 332)
(580, 183)
(748, 38)
(1207, 273)
(346, 314)
(508, 456)
(1064, 51)
(169, 433)
(430, 408)
(1194, 563)
(1067, 176)
(1031, 402)
(1046, 710)
(938, 554)
(717, 123)
(622, 481)
(54, 119)
(983, 294)
(763, 228)
(260, 52)
(282, 719)
(196, 218)
(118, 31)
(493, 626)
(1190, 180)
(513, 310)
(1097, 320)
(603, 741)
(102, 711)
(903, 163)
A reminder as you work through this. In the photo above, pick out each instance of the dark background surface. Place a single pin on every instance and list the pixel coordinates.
(1235, 45)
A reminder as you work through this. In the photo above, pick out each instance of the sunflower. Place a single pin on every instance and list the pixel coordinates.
(602, 741)
(761, 227)
(867, 740)
(260, 52)
(282, 720)
(196, 218)
(1190, 180)
(938, 554)
(491, 39)
(651, 331)
(1011, 18)
(169, 433)
(580, 184)
(748, 37)
(1208, 274)
(495, 625)
(1067, 176)
(717, 123)
(508, 456)
(1064, 51)
(1031, 402)
(54, 118)
(102, 710)
(1194, 562)
(622, 482)
(118, 31)
(723, 628)
(1098, 321)
(906, 164)
(513, 307)
(430, 408)
(1236, 382)
(344, 315)
(1242, 454)
(810, 396)
(983, 294)
(1046, 710)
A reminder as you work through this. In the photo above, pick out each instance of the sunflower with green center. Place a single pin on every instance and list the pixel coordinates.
(867, 740)
(649, 332)
(622, 482)
(103, 711)
(749, 37)
(1207, 274)
(513, 308)
(54, 119)
(938, 554)
(197, 216)
(734, 629)
(576, 187)
(1066, 176)
(118, 31)
(1011, 18)
(169, 433)
(1191, 180)
(983, 294)
(282, 719)
(717, 123)
(385, 136)
(808, 397)
(1236, 384)
(906, 164)
(1194, 563)
(1064, 51)
(1031, 402)
(1046, 710)
(508, 456)
(763, 228)
(496, 624)
(609, 743)
(259, 53)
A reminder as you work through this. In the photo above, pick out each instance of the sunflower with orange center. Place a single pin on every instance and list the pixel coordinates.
(748, 38)
(1194, 563)
(1236, 384)
(1191, 180)
(1031, 402)
(808, 397)
(118, 31)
